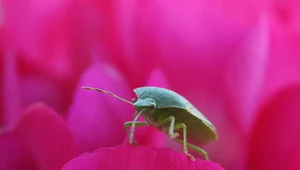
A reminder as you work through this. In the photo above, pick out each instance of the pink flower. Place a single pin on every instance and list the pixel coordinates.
(237, 62)
(137, 158)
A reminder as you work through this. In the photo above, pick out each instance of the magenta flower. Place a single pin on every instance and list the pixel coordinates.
(134, 158)
(237, 61)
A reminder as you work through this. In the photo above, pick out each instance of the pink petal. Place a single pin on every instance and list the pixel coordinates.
(284, 62)
(1, 91)
(157, 78)
(96, 119)
(274, 140)
(229, 95)
(295, 161)
(132, 158)
(53, 36)
(51, 42)
(174, 32)
(13, 154)
(36, 88)
(11, 89)
(47, 136)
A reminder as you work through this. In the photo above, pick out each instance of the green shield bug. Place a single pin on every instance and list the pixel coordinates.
(172, 113)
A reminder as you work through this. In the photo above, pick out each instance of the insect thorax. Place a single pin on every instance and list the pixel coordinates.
(149, 118)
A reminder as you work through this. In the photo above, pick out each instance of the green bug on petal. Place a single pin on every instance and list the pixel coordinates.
(170, 112)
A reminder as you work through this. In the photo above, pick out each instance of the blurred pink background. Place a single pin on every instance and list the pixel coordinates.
(238, 62)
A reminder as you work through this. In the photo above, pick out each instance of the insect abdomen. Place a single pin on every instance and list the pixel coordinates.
(197, 131)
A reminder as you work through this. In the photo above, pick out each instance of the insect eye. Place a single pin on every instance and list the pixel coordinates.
(152, 106)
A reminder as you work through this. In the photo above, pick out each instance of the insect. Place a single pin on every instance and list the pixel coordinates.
(172, 113)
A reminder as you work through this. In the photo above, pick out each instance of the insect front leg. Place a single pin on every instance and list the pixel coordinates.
(129, 124)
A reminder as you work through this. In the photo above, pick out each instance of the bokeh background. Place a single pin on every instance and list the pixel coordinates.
(237, 61)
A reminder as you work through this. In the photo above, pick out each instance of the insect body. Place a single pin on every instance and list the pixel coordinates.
(170, 112)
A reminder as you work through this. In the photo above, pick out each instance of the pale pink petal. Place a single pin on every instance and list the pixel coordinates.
(47, 137)
(134, 158)
(244, 74)
(96, 119)
(284, 63)
(157, 78)
(274, 140)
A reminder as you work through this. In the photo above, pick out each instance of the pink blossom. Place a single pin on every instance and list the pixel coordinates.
(236, 61)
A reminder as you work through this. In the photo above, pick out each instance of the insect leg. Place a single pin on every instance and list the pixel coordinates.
(129, 124)
(171, 120)
(184, 142)
(195, 148)
(173, 135)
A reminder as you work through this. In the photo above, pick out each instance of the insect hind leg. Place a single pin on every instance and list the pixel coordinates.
(194, 148)
(171, 120)
(184, 141)
(174, 135)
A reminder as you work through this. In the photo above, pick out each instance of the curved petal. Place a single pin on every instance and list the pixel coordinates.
(284, 62)
(134, 158)
(47, 137)
(96, 119)
(274, 140)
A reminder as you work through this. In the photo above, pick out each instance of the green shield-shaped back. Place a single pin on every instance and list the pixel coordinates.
(199, 129)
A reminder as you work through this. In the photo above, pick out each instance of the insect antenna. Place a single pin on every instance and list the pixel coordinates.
(107, 92)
